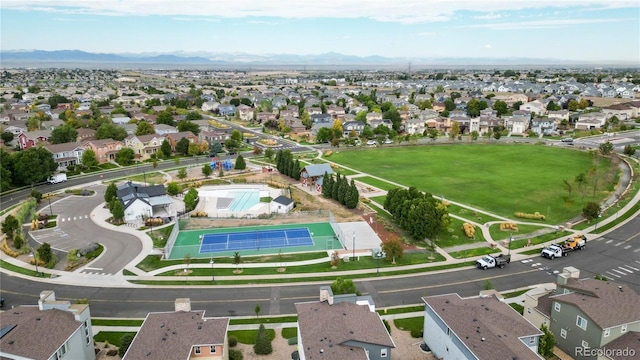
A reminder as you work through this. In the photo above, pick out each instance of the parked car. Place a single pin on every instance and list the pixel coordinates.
(567, 140)
(388, 141)
(372, 143)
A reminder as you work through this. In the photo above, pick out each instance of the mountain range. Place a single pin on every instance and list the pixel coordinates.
(17, 58)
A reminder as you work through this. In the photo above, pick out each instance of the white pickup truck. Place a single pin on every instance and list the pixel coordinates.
(490, 261)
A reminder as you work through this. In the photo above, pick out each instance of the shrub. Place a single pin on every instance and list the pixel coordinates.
(18, 242)
(199, 213)
(535, 216)
(233, 341)
(235, 354)
(328, 153)
(416, 333)
(469, 230)
(263, 342)
(505, 226)
(7, 250)
(112, 352)
(386, 324)
(124, 344)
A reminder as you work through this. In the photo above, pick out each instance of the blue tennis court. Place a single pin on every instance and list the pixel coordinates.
(255, 240)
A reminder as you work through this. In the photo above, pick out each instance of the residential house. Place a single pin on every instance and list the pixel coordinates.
(31, 138)
(144, 145)
(622, 111)
(105, 149)
(55, 329)
(66, 154)
(294, 124)
(164, 129)
(85, 134)
(140, 202)
(373, 116)
(477, 328)
(264, 117)
(590, 121)
(351, 127)
(227, 110)
(335, 111)
(535, 106)
(182, 334)
(374, 123)
(289, 113)
(559, 115)
(210, 106)
(313, 110)
(245, 112)
(341, 327)
(212, 136)
(173, 138)
(15, 127)
(580, 314)
(314, 175)
(321, 118)
(414, 126)
(543, 126)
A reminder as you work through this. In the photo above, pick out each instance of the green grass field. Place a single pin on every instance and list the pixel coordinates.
(501, 179)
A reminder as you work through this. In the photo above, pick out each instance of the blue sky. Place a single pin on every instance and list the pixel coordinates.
(583, 30)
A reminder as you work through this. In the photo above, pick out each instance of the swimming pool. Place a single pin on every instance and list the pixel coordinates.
(244, 200)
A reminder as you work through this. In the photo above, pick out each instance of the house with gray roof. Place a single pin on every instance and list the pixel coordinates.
(141, 202)
(588, 314)
(54, 329)
(314, 175)
(477, 328)
(66, 154)
(342, 327)
(182, 334)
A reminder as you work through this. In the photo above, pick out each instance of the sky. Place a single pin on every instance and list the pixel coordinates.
(583, 30)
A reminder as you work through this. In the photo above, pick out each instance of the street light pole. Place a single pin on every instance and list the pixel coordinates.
(510, 240)
(35, 261)
(213, 277)
(354, 246)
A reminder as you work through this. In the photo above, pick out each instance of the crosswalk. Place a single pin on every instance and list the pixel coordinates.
(74, 218)
(624, 270)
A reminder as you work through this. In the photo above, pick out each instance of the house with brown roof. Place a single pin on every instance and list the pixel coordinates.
(173, 138)
(32, 138)
(182, 334)
(341, 327)
(85, 134)
(477, 328)
(105, 149)
(52, 330)
(144, 145)
(589, 314)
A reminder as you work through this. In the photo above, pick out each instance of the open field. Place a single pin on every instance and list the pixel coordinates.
(502, 179)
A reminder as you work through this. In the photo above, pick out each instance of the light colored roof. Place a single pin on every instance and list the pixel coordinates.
(318, 169)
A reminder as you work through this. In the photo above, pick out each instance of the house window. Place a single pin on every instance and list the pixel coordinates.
(623, 329)
(197, 350)
(86, 332)
(62, 350)
(532, 340)
(563, 333)
(556, 307)
(212, 349)
(383, 353)
(585, 344)
(607, 332)
(581, 322)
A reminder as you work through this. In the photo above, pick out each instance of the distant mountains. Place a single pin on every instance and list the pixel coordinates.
(22, 58)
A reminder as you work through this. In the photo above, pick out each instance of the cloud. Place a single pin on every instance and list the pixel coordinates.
(487, 46)
(490, 16)
(400, 11)
(542, 24)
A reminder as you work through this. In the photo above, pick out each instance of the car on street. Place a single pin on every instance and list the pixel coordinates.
(567, 140)
(372, 143)
(388, 141)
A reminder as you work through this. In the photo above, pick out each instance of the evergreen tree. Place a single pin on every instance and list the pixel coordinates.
(353, 196)
(296, 170)
(334, 188)
(117, 210)
(343, 187)
(110, 193)
(327, 183)
(165, 148)
(44, 253)
(547, 342)
(240, 163)
(263, 342)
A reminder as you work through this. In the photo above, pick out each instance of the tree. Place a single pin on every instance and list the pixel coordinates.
(63, 134)
(125, 156)
(474, 135)
(546, 343)
(191, 199)
(206, 170)
(117, 211)
(393, 248)
(110, 193)
(33, 123)
(110, 131)
(165, 148)
(182, 147)
(144, 128)
(629, 150)
(189, 126)
(268, 153)
(240, 163)
(89, 159)
(165, 117)
(433, 134)
(455, 130)
(591, 211)
(36, 195)
(263, 342)
(6, 136)
(32, 166)
(125, 342)
(9, 226)
(193, 149)
(257, 150)
(194, 115)
(342, 286)
(501, 107)
(44, 253)
(606, 148)
(236, 261)
(173, 188)
(182, 173)
(257, 310)
(324, 135)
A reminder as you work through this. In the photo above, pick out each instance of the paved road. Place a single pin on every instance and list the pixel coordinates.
(616, 256)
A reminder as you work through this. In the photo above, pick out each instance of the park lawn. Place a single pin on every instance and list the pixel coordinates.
(382, 185)
(497, 234)
(463, 254)
(498, 178)
(453, 235)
